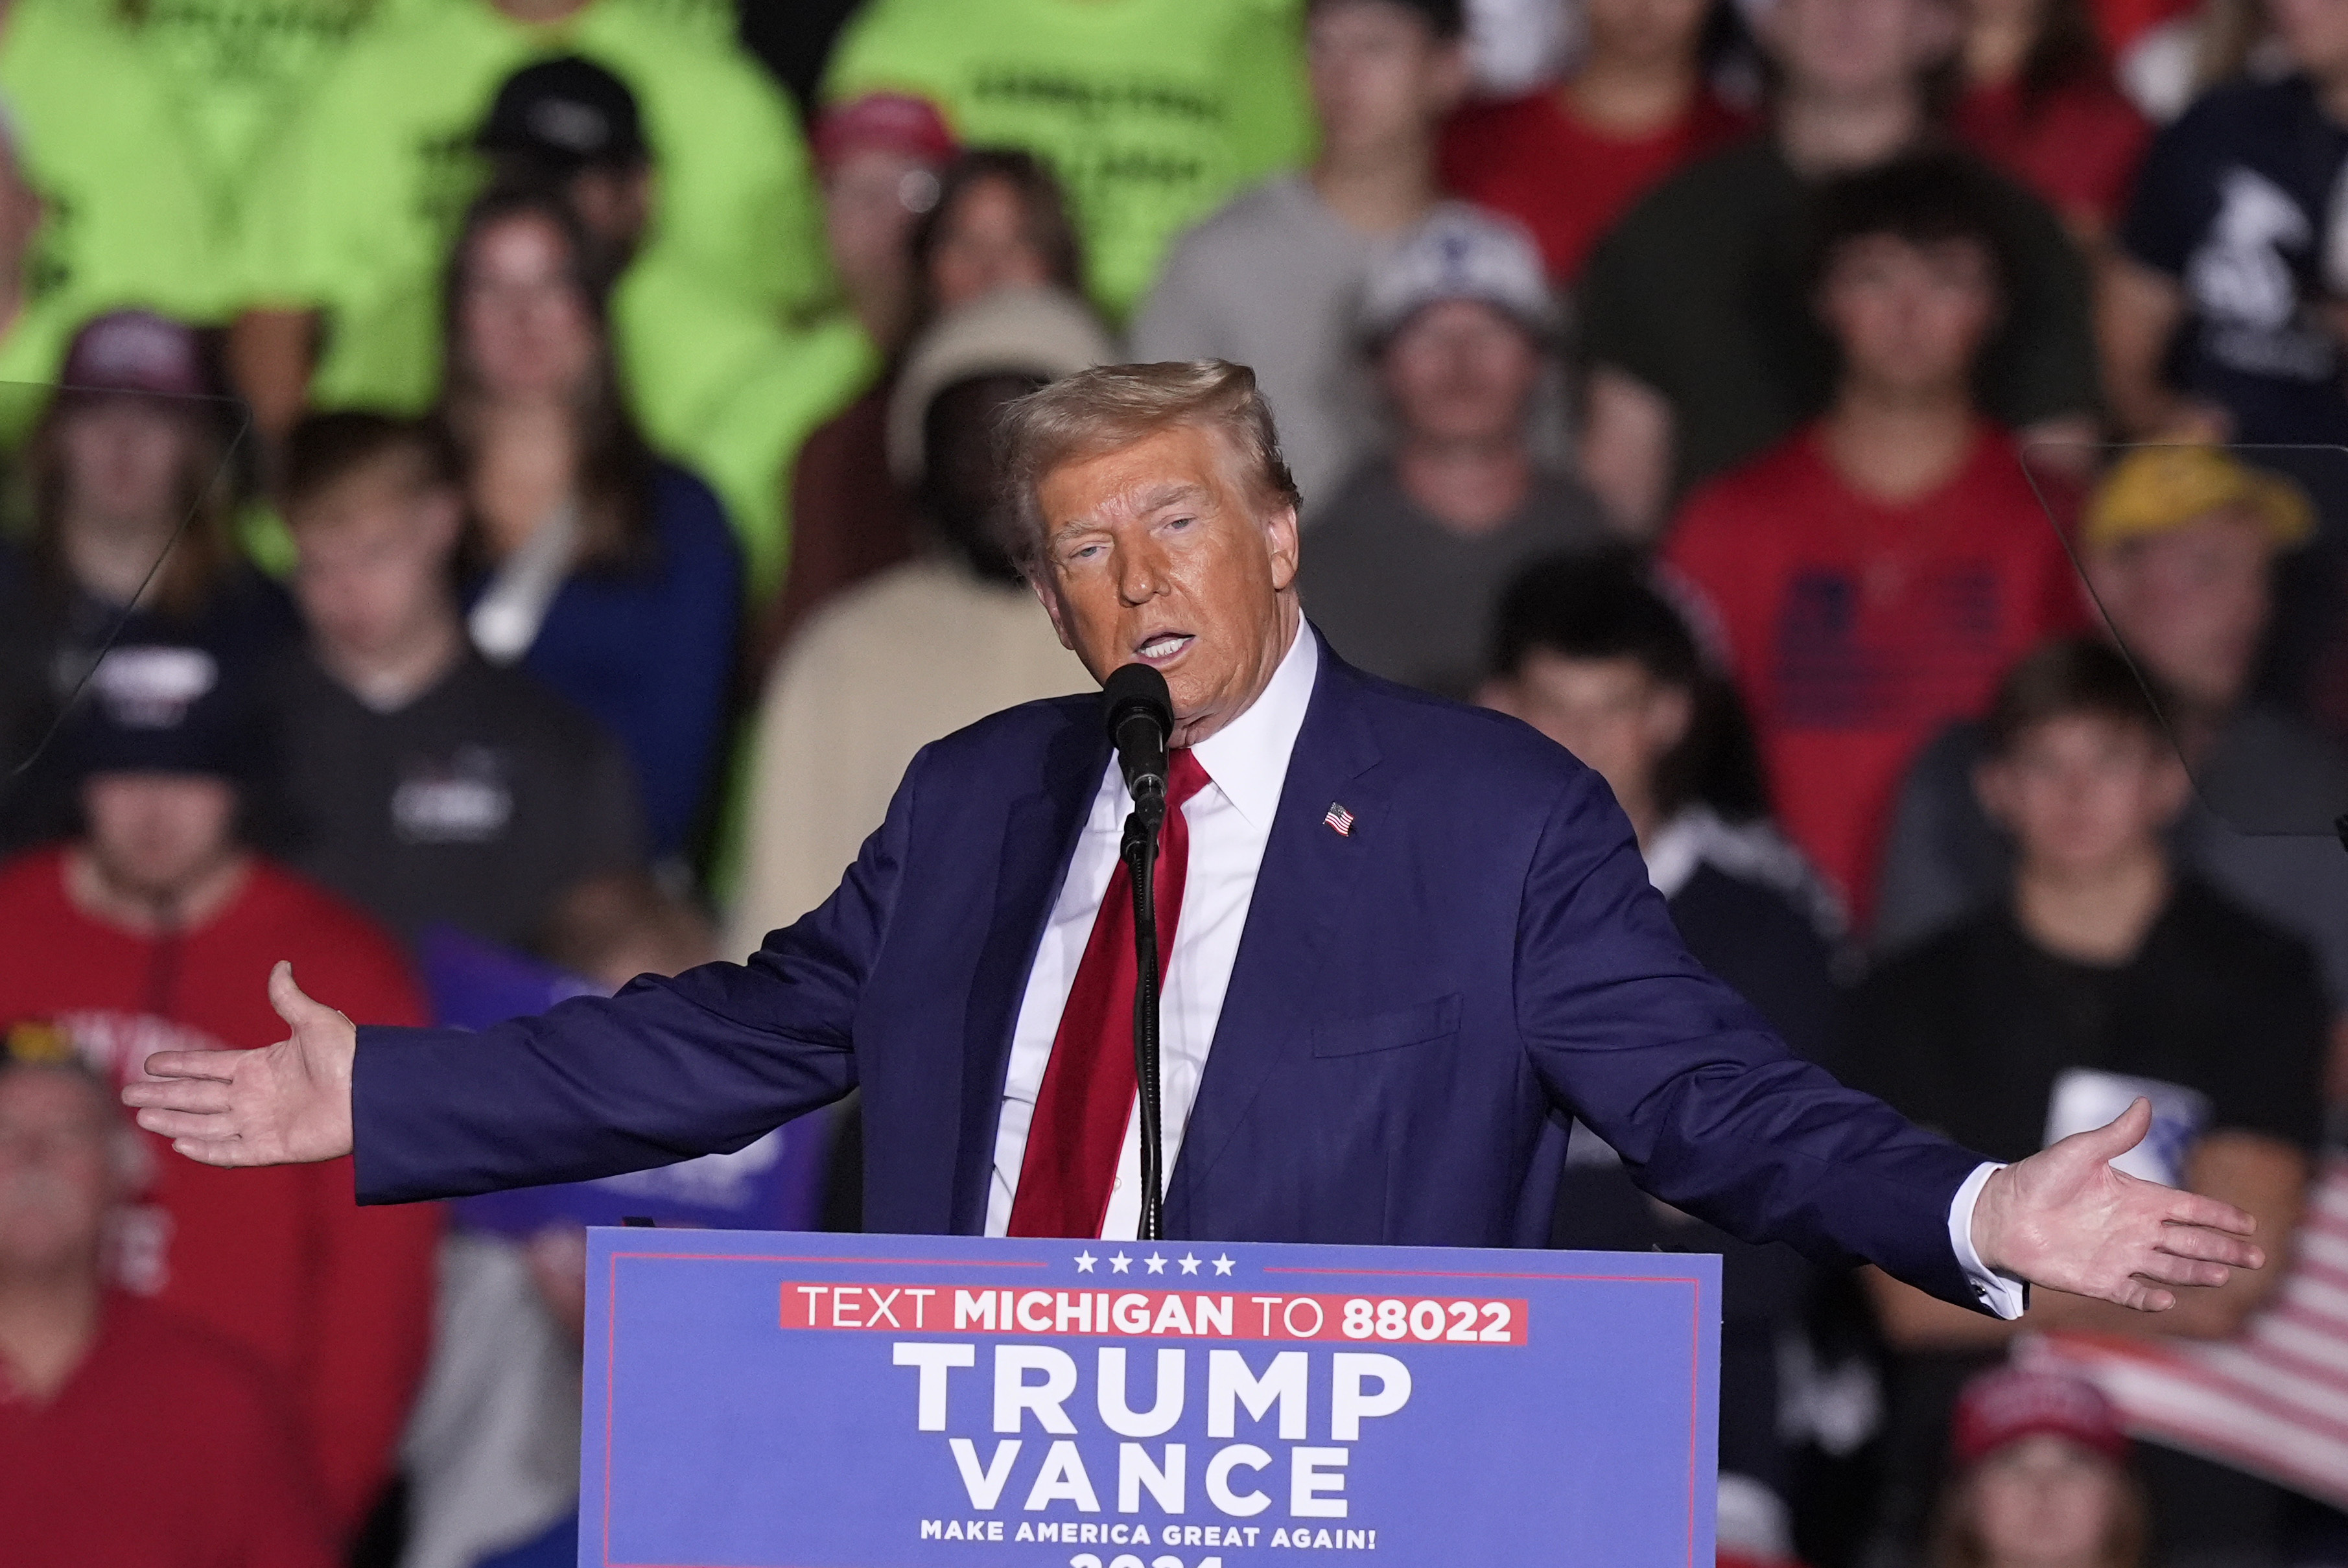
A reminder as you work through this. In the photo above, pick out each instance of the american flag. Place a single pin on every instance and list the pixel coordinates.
(2273, 1399)
(1340, 819)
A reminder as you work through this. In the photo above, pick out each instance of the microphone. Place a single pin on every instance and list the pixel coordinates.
(1138, 711)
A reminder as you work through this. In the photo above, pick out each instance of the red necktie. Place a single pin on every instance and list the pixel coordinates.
(1078, 1129)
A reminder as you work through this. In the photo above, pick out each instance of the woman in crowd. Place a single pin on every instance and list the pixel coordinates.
(129, 547)
(2039, 101)
(610, 574)
(2039, 1478)
(999, 221)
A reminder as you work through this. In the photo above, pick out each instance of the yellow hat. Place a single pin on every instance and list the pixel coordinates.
(2153, 489)
(37, 1042)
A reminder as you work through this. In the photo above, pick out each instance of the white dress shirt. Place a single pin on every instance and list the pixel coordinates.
(1230, 822)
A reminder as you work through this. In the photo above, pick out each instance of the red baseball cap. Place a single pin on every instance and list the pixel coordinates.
(2011, 1403)
(892, 122)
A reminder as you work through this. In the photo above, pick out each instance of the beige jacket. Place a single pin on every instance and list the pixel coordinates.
(892, 664)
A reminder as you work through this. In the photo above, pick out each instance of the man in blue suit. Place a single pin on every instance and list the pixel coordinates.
(1405, 943)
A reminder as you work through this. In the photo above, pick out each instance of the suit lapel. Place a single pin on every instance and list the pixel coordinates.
(1039, 836)
(1303, 891)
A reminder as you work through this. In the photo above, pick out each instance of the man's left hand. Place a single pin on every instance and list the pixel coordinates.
(2065, 1220)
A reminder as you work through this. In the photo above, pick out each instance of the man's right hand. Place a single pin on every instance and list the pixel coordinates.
(282, 1105)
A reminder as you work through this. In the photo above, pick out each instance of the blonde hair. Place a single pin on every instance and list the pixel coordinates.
(1113, 405)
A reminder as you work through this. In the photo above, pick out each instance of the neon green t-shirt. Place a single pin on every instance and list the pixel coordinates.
(124, 222)
(1150, 111)
(354, 217)
(231, 71)
(733, 393)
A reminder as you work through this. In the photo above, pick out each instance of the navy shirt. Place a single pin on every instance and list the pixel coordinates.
(2236, 203)
(647, 648)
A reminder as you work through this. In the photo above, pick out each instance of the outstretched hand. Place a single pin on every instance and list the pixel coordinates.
(282, 1105)
(2065, 1220)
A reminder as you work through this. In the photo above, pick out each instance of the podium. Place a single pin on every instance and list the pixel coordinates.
(783, 1401)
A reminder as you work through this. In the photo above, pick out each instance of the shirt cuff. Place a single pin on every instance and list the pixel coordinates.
(2001, 1295)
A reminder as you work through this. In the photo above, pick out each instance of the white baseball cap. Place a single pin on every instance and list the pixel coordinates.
(1459, 253)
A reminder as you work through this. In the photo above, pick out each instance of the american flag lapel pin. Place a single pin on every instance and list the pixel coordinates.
(1340, 819)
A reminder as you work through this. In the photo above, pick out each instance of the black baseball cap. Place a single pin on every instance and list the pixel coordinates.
(164, 708)
(567, 113)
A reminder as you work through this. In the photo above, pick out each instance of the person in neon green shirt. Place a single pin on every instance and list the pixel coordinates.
(1152, 112)
(348, 227)
(124, 221)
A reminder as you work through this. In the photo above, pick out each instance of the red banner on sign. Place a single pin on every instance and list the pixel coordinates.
(1174, 1313)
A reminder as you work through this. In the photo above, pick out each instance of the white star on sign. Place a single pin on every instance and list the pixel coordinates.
(1223, 1263)
(1120, 1263)
(1189, 1263)
(1084, 1262)
(1157, 1262)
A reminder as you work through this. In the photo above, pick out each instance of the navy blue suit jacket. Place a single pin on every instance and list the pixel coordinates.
(1418, 1008)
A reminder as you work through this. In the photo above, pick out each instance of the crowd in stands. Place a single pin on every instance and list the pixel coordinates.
(490, 505)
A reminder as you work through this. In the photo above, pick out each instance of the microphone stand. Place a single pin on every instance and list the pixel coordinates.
(1139, 850)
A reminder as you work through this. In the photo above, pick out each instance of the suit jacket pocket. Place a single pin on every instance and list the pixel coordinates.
(1414, 1025)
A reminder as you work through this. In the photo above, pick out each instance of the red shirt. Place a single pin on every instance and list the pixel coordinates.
(167, 1448)
(335, 1299)
(1564, 181)
(1857, 629)
(2076, 148)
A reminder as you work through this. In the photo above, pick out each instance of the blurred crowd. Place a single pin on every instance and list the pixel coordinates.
(493, 493)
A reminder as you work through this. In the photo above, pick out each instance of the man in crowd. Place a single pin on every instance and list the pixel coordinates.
(96, 1383)
(853, 698)
(151, 928)
(1271, 281)
(2179, 544)
(1701, 353)
(419, 780)
(884, 158)
(1875, 574)
(351, 220)
(1405, 569)
(2102, 973)
(879, 157)
(1589, 652)
(1150, 115)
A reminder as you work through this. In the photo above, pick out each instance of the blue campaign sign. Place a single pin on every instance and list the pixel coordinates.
(784, 1400)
